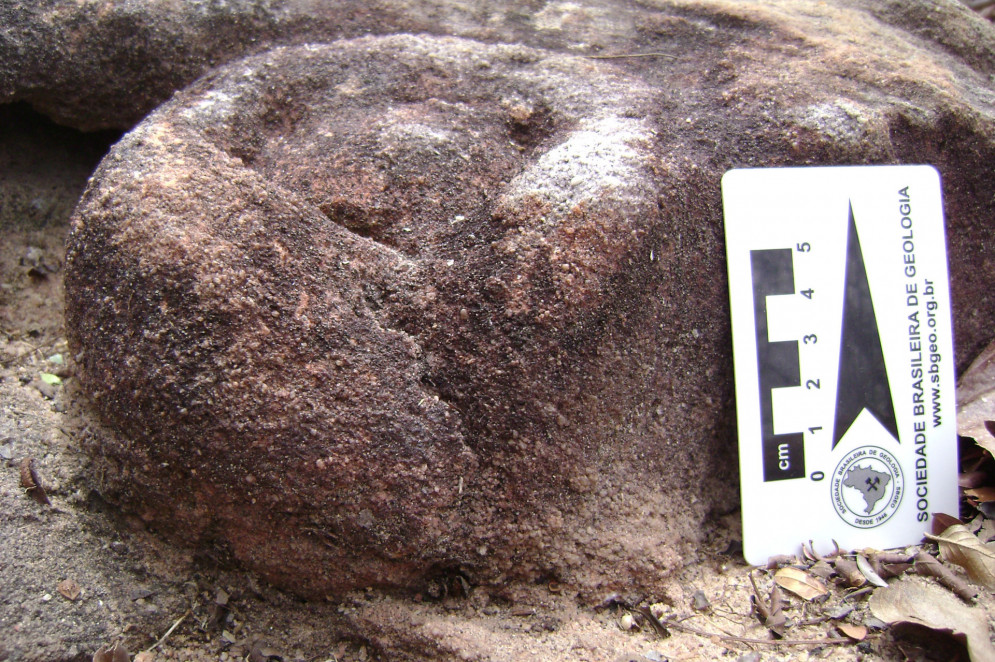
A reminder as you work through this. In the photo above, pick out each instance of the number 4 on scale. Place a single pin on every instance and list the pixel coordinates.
(805, 247)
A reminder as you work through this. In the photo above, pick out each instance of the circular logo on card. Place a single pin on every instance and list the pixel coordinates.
(867, 487)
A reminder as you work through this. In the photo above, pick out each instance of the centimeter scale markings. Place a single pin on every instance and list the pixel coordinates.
(862, 380)
(841, 327)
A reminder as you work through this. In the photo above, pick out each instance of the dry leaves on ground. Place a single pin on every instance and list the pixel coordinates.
(801, 583)
(960, 546)
(914, 601)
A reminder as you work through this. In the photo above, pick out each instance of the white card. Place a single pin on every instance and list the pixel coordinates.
(843, 355)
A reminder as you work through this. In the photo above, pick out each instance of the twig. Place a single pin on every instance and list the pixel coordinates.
(746, 640)
(928, 566)
(659, 627)
(781, 560)
(891, 558)
(628, 55)
(847, 569)
(858, 593)
(813, 621)
(168, 632)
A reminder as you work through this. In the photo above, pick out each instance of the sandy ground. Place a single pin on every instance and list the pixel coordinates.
(76, 575)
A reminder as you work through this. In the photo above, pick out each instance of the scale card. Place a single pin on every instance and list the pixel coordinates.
(843, 355)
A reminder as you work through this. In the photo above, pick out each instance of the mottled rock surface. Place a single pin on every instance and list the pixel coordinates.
(106, 63)
(375, 310)
(395, 304)
(97, 64)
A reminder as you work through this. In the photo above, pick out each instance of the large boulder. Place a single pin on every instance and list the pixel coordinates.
(98, 64)
(105, 64)
(366, 311)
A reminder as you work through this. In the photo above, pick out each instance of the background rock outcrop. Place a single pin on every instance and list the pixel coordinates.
(105, 64)
(366, 311)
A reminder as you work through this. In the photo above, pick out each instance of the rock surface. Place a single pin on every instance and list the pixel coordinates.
(368, 312)
(394, 304)
(105, 64)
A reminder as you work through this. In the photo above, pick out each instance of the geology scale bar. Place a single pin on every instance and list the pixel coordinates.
(843, 354)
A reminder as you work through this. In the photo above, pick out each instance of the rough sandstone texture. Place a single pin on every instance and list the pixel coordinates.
(367, 312)
(104, 64)
(372, 308)
(98, 64)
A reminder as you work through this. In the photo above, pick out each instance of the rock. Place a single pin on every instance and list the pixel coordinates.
(267, 292)
(99, 65)
(104, 65)
(359, 311)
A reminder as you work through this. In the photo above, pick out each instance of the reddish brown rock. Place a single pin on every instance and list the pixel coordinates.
(368, 309)
(373, 310)
(105, 64)
(96, 65)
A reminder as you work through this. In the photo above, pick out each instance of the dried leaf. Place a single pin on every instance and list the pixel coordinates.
(770, 614)
(31, 484)
(117, 653)
(972, 479)
(982, 494)
(987, 531)
(920, 603)
(69, 589)
(976, 399)
(867, 571)
(776, 621)
(941, 522)
(262, 653)
(960, 546)
(855, 632)
(822, 570)
(801, 583)
(699, 601)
